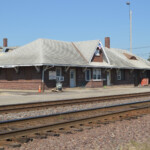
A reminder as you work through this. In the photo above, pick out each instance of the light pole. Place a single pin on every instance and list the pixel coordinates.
(130, 17)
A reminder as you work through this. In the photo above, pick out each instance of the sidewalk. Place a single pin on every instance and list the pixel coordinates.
(24, 96)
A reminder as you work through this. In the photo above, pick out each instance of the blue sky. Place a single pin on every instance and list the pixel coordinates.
(23, 21)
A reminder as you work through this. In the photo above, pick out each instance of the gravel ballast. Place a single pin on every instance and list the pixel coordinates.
(60, 109)
(105, 137)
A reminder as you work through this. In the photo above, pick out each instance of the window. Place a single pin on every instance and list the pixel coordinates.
(59, 76)
(96, 74)
(118, 74)
(58, 72)
(97, 52)
(88, 75)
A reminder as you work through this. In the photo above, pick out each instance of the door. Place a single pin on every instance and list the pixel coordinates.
(72, 78)
(109, 78)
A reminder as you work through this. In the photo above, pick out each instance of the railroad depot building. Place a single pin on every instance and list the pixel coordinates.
(75, 64)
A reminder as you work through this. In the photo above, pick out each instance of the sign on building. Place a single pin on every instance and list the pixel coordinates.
(52, 75)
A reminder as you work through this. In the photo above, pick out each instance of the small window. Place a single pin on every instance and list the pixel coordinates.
(97, 52)
(96, 74)
(58, 72)
(88, 75)
(72, 75)
(118, 74)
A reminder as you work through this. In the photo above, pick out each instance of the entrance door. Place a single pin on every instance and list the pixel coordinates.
(109, 78)
(72, 78)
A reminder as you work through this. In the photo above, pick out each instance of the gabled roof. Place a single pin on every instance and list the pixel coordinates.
(51, 52)
(118, 59)
(88, 48)
(59, 53)
(43, 52)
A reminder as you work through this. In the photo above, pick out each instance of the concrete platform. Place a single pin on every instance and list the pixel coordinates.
(17, 96)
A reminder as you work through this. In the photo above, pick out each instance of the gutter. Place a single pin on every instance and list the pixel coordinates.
(65, 65)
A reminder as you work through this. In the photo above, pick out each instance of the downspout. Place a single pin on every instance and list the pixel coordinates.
(43, 73)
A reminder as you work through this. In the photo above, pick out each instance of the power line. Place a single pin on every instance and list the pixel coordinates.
(143, 53)
(140, 47)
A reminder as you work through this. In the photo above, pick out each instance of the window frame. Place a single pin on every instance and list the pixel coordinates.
(97, 70)
(97, 52)
(119, 75)
(59, 68)
(89, 75)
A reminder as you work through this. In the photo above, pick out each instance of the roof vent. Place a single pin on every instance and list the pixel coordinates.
(130, 56)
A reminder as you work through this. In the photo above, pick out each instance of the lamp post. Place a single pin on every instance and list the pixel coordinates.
(130, 17)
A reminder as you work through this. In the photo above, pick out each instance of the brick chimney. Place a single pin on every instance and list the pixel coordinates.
(4, 42)
(107, 42)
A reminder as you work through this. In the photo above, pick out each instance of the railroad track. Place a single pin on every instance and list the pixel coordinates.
(47, 104)
(28, 128)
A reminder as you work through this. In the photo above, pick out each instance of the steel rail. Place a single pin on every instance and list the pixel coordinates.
(73, 112)
(47, 104)
(136, 106)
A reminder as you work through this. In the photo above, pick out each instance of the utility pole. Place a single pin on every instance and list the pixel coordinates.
(130, 17)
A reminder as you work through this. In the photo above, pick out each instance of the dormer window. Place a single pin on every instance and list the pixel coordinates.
(97, 52)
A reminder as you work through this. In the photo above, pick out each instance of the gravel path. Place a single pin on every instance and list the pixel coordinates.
(106, 137)
(60, 109)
